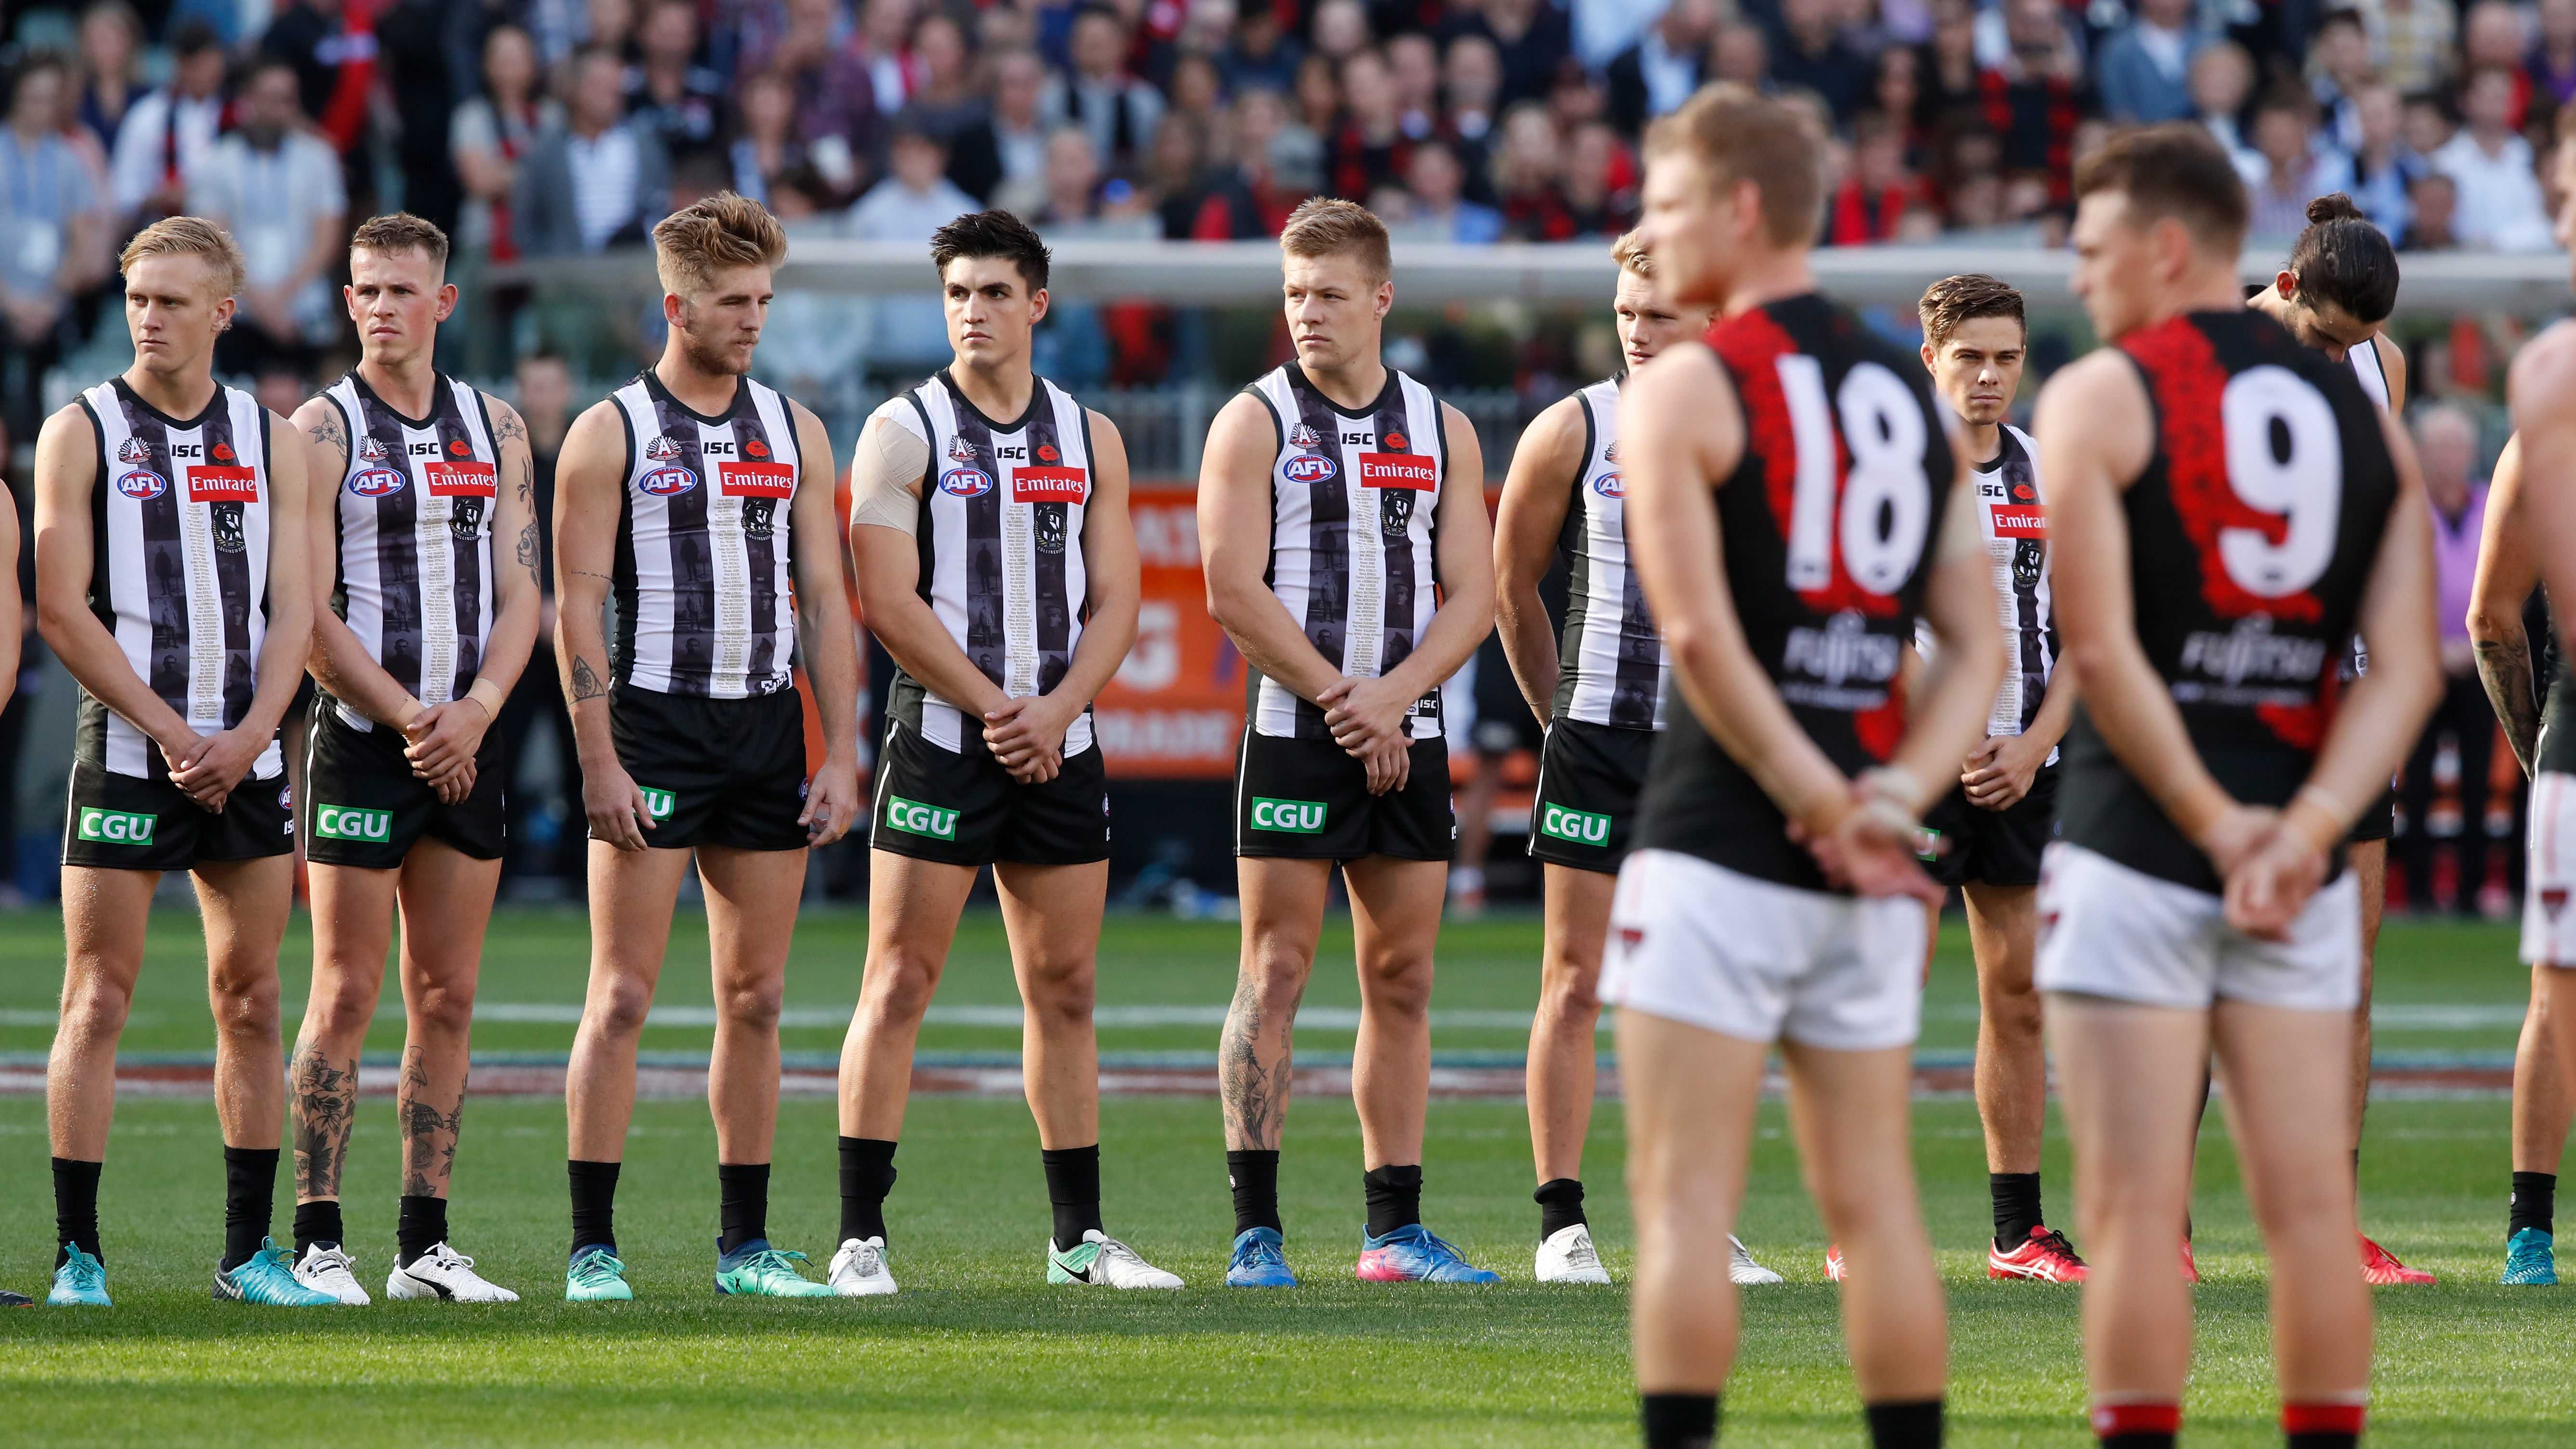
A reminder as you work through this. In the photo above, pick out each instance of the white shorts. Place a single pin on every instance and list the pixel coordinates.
(2548, 927)
(1752, 959)
(2107, 930)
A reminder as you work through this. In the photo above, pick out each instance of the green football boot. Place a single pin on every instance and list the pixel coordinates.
(595, 1276)
(2530, 1260)
(762, 1271)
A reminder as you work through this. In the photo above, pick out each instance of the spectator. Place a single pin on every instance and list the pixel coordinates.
(1319, 96)
(915, 199)
(1413, 63)
(2432, 200)
(1740, 53)
(767, 152)
(1808, 51)
(680, 101)
(2491, 39)
(277, 189)
(489, 134)
(111, 78)
(837, 107)
(1950, 79)
(1896, 89)
(2034, 99)
(1173, 187)
(1654, 76)
(2500, 206)
(2552, 67)
(2222, 80)
(1251, 198)
(1529, 173)
(946, 99)
(1473, 79)
(1197, 93)
(423, 101)
(163, 143)
(2145, 70)
(2338, 71)
(2411, 41)
(49, 234)
(1001, 159)
(611, 27)
(1600, 181)
(2428, 123)
(333, 54)
(1072, 182)
(1871, 203)
(1340, 29)
(1531, 38)
(884, 27)
(1120, 111)
(2292, 169)
(594, 181)
(2446, 446)
(1367, 149)
(1259, 55)
(2382, 165)
(1441, 212)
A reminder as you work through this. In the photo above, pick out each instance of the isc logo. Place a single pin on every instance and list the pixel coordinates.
(116, 827)
(1309, 468)
(1298, 817)
(914, 818)
(1582, 827)
(341, 822)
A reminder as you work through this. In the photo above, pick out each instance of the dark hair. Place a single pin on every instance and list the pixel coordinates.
(194, 36)
(992, 234)
(2175, 169)
(400, 231)
(2343, 16)
(1953, 300)
(2341, 258)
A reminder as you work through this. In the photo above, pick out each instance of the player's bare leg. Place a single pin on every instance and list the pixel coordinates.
(245, 904)
(105, 915)
(632, 896)
(1395, 923)
(1690, 1097)
(1053, 915)
(2012, 1058)
(913, 907)
(1853, 1117)
(2544, 1101)
(751, 922)
(353, 925)
(1283, 913)
(446, 898)
(1564, 1036)
(2369, 862)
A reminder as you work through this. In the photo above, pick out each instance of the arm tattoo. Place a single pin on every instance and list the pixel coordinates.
(1255, 1091)
(585, 681)
(327, 432)
(509, 427)
(527, 479)
(2504, 666)
(528, 550)
(428, 1135)
(323, 1096)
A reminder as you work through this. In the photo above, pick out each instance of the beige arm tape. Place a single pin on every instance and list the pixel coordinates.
(886, 474)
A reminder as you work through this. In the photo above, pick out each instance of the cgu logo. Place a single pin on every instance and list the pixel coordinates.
(1580, 826)
(341, 822)
(658, 803)
(1297, 817)
(1610, 485)
(116, 827)
(1309, 468)
(376, 483)
(914, 818)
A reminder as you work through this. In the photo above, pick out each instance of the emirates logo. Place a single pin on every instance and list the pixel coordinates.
(663, 448)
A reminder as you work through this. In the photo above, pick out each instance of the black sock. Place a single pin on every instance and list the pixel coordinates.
(2016, 1196)
(1560, 1206)
(594, 1204)
(250, 1196)
(76, 1206)
(867, 1175)
(2139, 1439)
(1073, 1186)
(1394, 1198)
(1906, 1426)
(421, 1227)
(1678, 1421)
(2332, 1439)
(742, 1190)
(2534, 1203)
(1254, 1175)
(317, 1221)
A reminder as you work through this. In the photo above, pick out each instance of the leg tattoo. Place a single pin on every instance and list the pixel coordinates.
(1256, 1093)
(324, 1099)
(428, 1135)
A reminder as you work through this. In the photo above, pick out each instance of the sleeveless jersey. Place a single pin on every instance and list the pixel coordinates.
(702, 577)
(2252, 531)
(1000, 537)
(414, 542)
(1611, 664)
(1828, 527)
(2011, 508)
(179, 567)
(2367, 367)
(1354, 517)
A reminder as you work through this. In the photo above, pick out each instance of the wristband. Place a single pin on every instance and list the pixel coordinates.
(2320, 801)
(490, 701)
(412, 709)
(1896, 785)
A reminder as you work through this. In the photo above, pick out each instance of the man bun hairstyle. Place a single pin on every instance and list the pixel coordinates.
(1953, 300)
(1630, 253)
(2174, 169)
(397, 232)
(2344, 260)
(1742, 136)
(1323, 226)
(189, 236)
(712, 235)
(994, 233)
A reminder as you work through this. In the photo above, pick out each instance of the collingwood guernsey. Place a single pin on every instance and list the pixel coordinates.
(1611, 662)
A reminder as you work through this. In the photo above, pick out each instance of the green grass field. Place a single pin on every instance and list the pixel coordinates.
(978, 1351)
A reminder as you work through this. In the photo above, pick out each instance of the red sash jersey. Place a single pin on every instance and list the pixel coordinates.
(1828, 524)
(2252, 531)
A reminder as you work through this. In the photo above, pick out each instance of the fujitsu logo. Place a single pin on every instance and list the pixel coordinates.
(2252, 651)
(1842, 650)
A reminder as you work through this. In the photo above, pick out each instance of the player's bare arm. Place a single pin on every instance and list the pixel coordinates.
(1958, 685)
(589, 482)
(2000, 771)
(1028, 734)
(2508, 570)
(338, 662)
(2392, 365)
(445, 738)
(2542, 380)
(1538, 492)
(13, 624)
(222, 760)
(825, 639)
(888, 560)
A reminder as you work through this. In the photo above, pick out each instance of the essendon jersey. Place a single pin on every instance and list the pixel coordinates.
(1828, 525)
(2252, 531)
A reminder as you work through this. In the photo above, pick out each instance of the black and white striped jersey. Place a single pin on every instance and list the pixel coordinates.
(1354, 516)
(2012, 513)
(1000, 538)
(179, 569)
(702, 573)
(1611, 665)
(414, 537)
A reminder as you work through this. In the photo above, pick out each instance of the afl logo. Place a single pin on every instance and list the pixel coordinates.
(134, 450)
(960, 451)
(1303, 436)
(1608, 485)
(966, 482)
(1309, 468)
(663, 449)
(376, 483)
(140, 485)
(664, 482)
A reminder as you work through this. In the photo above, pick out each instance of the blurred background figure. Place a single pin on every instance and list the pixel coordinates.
(2444, 789)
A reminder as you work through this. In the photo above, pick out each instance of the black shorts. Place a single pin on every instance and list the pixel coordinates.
(1307, 800)
(2379, 822)
(1994, 847)
(963, 808)
(125, 822)
(363, 806)
(1588, 779)
(727, 772)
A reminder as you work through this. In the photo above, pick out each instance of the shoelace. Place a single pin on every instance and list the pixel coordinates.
(87, 1273)
(777, 1260)
(1438, 1247)
(595, 1268)
(1580, 1255)
(866, 1260)
(1112, 1248)
(2054, 1241)
(445, 1257)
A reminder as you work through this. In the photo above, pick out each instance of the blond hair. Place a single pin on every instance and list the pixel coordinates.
(397, 232)
(189, 236)
(715, 234)
(1741, 136)
(1629, 251)
(1324, 227)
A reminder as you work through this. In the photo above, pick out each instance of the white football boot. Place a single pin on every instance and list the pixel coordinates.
(324, 1268)
(1568, 1257)
(1106, 1262)
(447, 1274)
(859, 1269)
(1740, 1267)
